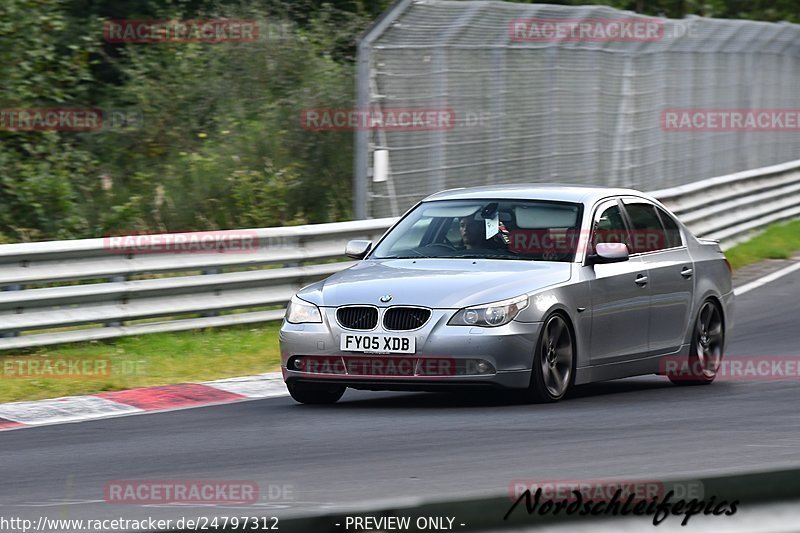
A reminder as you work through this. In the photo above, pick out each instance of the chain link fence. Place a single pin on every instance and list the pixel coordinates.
(587, 95)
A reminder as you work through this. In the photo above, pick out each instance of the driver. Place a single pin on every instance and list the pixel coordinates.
(473, 233)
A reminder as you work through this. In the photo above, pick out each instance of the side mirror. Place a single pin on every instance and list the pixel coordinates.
(357, 249)
(608, 252)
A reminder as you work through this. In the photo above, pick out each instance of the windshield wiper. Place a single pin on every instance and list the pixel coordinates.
(409, 257)
(419, 255)
(489, 256)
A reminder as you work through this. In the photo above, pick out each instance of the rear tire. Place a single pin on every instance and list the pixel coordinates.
(553, 369)
(705, 350)
(315, 394)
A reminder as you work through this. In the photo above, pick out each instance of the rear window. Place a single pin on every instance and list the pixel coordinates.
(671, 229)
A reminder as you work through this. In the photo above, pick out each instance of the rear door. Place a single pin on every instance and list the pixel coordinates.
(657, 241)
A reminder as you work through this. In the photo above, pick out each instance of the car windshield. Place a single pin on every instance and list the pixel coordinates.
(534, 230)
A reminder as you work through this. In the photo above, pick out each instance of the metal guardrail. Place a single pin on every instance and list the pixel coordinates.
(98, 285)
(98, 295)
(730, 208)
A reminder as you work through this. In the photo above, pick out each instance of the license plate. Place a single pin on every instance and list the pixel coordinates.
(373, 343)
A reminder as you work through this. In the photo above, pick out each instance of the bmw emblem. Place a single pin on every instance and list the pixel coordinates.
(386, 298)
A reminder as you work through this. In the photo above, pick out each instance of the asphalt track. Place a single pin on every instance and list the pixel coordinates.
(378, 447)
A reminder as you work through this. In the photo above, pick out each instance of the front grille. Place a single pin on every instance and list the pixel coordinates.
(364, 318)
(405, 318)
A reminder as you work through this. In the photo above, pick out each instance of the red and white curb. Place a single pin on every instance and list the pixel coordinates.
(135, 401)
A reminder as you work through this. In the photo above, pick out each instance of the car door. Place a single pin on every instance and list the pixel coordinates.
(619, 293)
(658, 242)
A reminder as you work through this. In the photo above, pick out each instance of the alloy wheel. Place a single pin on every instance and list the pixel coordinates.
(556, 356)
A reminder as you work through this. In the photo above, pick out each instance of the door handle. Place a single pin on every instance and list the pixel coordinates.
(641, 280)
(687, 272)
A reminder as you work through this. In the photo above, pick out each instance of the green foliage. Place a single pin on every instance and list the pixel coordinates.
(45, 177)
(218, 144)
(228, 112)
(43, 193)
(43, 59)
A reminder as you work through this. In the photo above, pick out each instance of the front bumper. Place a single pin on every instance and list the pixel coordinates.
(453, 350)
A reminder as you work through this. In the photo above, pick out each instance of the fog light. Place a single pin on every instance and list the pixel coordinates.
(298, 363)
(482, 367)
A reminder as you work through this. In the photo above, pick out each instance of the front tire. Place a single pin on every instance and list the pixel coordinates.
(705, 351)
(553, 362)
(315, 394)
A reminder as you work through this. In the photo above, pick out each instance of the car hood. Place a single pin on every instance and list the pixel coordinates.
(436, 283)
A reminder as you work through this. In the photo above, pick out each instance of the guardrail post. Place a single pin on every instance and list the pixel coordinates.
(207, 272)
(10, 334)
(300, 244)
(116, 323)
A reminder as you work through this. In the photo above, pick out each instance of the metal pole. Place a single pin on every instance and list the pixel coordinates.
(361, 160)
(364, 61)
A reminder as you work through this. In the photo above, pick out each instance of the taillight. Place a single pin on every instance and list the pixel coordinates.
(730, 268)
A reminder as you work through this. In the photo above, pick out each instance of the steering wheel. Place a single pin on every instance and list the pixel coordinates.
(446, 246)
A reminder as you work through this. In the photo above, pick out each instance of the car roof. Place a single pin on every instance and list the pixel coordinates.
(536, 191)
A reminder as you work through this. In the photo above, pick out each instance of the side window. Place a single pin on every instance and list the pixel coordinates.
(648, 234)
(671, 229)
(609, 227)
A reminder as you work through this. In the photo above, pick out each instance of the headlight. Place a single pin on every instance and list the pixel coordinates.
(301, 312)
(490, 315)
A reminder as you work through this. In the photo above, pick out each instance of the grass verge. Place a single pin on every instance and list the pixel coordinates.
(147, 360)
(779, 241)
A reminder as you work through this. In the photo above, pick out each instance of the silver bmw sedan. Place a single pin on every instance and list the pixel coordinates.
(527, 288)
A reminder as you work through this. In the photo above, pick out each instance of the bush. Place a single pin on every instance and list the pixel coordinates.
(219, 144)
